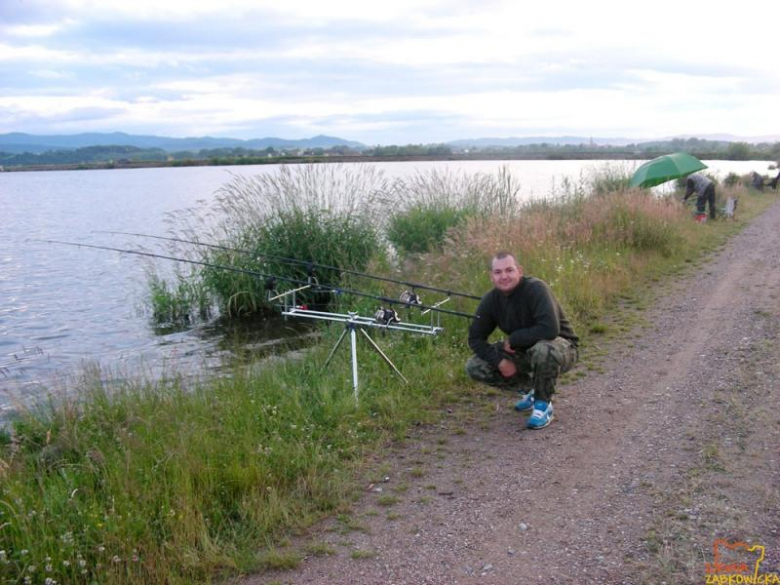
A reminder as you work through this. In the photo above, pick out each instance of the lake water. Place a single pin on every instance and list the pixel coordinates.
(64, 308)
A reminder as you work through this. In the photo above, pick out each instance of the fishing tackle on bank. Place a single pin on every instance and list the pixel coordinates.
(270, 279)
(386, 316)
(409, 297)
(310, 266)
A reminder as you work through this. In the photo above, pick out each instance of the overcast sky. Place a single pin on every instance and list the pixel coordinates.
(395, 71)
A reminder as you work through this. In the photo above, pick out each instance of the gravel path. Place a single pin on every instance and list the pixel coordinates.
(675, 443)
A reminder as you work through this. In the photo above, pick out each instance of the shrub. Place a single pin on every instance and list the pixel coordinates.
(422, 228)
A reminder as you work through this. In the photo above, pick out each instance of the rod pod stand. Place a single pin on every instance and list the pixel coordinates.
(352, 326)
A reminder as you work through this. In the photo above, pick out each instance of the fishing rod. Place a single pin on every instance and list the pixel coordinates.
(327, 287)
(286, 260)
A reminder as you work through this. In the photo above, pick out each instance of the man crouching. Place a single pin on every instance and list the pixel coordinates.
(540, 346)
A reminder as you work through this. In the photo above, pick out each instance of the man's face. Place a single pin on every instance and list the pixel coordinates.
(505, 274)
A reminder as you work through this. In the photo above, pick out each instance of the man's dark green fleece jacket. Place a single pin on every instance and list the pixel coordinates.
(528, 314)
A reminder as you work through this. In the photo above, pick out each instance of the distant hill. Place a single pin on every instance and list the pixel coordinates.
(17, 142)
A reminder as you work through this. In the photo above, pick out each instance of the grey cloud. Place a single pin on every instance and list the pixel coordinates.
(75, 120)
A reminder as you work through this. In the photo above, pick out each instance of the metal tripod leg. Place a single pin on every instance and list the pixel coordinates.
(351, 329)
(335, 347)
(387, 359)
(353, 339)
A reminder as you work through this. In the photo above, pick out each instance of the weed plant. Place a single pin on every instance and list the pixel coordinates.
(170, 482)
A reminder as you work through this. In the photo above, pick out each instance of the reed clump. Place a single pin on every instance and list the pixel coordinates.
(427, 205)
(328, 214)
(174, 303)
(181, 482)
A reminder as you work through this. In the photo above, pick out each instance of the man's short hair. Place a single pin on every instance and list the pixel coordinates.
(500, 256)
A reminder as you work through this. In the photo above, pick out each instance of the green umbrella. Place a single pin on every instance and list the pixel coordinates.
(665, 168)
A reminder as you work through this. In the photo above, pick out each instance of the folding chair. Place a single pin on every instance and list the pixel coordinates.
(729, 210)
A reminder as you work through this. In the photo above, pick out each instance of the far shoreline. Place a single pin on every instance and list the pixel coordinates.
(143, 164)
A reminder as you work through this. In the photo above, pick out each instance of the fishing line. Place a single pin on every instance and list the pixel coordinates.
(334, 289)
(296, 261)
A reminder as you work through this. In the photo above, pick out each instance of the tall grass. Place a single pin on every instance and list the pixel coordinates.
(427, 205)
(170, 482)
(328, 214)
(592, 241)
(154, 483)
(174, 305)
(587, 251)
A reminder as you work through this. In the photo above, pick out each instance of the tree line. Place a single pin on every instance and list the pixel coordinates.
(119, 155)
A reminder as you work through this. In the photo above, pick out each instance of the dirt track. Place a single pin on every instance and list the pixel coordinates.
(674, 444)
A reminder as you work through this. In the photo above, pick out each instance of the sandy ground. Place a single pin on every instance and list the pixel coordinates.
(675, 442)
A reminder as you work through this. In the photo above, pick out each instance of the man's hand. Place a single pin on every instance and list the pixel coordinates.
(507, 347)
(507, 368)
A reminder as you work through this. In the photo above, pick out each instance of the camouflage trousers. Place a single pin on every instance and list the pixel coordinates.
(538, 367)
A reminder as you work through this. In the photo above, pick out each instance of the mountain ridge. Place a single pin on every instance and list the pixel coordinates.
(18, 142)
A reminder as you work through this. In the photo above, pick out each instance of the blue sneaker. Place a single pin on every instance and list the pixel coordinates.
(541, 416)
(526, 403)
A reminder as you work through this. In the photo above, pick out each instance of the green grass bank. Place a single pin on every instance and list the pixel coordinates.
(181, 482)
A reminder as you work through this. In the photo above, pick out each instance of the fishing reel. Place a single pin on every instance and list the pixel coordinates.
(410, 298)
(311, 278)
(270, 286)
(386, 316)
